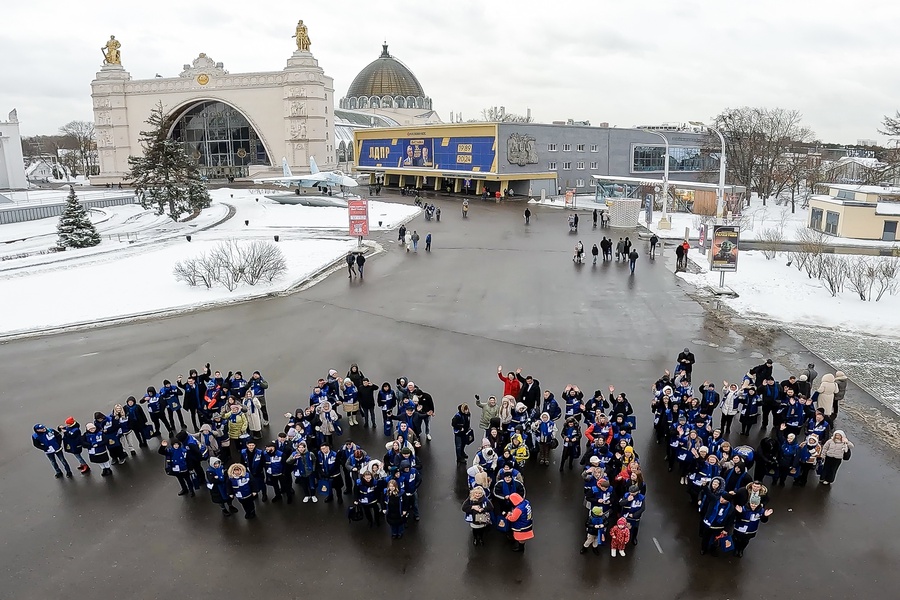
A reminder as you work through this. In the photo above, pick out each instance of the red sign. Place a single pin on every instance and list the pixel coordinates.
(359, 217)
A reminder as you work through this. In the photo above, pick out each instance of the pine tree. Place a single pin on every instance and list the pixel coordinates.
(75, 228)
(165, 178)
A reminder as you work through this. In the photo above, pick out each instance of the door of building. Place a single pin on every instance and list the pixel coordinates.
(890, 231)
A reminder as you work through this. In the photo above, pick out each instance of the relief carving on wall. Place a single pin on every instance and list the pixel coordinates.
(521, 150)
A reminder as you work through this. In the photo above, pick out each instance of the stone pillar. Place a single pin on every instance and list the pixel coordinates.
(111, 123)
(308, 114)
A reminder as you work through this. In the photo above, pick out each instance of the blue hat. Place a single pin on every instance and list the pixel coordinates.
(38, 426)
(405, 464)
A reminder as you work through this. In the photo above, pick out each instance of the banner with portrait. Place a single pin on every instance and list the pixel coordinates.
(725, 248)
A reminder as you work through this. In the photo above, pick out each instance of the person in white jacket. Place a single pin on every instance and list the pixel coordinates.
(729, 406)
(827, 389)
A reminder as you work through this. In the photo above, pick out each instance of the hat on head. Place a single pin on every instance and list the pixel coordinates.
(181, 436)
(704, 449)
(791, 437)
(405, 464)
(803, 378)
(634, 489)
(70, 421)
(595, 460)
(597, 511)
(629, 449)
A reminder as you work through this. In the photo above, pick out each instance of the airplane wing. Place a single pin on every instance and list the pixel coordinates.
(301, 180)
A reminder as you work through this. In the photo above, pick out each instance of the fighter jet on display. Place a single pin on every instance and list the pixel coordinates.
(316, 179)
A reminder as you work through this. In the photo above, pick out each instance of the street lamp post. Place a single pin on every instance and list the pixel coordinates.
(664, 221)
(720, 192)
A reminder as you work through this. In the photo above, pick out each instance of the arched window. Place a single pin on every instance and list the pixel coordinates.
(363, 102)
(410, 102)
(420, 102)
(400, 102)
(387, 102)
(375, 102)
(352, 103)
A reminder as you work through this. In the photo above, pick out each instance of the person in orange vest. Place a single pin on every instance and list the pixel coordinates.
(520, 521)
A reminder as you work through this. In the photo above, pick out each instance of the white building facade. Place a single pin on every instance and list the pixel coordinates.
(233, 125)
(12, 164)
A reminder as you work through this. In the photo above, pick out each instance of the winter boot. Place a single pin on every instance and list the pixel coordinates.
(106, 472)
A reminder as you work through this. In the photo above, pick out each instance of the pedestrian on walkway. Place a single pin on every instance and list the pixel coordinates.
(595, 218)
(401, 235)
(653, 242)
(407, 240)
(50, 442)
(351, 265)
(428, 242)
(606, 247)
(575, 220)
(632, 259)
(595, 251)
(679, 258)
(527, 216)
(520, 521)
(72, 443)
(437, 214)
(360, 263)
(415, 241)
(620, 249)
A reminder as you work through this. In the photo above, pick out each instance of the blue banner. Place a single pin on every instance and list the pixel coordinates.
(446, 154)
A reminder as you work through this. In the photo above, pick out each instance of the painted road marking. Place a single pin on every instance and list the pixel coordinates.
(88, 354)
(658, 547)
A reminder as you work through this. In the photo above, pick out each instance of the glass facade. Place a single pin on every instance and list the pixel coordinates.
(220, 139)
(651, 158)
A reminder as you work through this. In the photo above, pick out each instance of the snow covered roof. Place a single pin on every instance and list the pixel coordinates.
(887, 208)
(864, 161)
(673, 183)
(865, 189)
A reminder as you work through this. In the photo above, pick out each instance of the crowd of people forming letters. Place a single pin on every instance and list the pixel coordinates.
(311, 456)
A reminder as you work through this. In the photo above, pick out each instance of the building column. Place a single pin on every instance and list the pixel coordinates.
(437, 183)
(479, 187)
(401, 181)
(457, 185)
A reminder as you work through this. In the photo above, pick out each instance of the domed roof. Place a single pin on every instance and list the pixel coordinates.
(385, 76)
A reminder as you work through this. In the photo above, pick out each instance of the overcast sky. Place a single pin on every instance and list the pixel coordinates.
(626, 63)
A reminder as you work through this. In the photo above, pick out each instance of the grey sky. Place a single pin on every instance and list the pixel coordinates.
(626, 63)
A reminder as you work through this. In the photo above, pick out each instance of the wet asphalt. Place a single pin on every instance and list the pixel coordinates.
(492, 292)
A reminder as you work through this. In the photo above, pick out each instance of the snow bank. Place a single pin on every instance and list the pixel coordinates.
(142, 282)
(772, 290)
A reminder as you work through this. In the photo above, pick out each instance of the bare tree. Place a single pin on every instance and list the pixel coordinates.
(499, 115)
(885, 277)
(860, 276)
(262, 260)
(231, 266)
(82, 134)
(208, 270)
(188, 271)
(834, 273)
(755, 142)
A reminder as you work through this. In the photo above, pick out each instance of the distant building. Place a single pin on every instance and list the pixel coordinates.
(853, 169)
(865, 212)
(12, 165)
(42, 170)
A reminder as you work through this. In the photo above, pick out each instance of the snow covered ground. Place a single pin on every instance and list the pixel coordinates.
(106, 281)
(582, 202)
(771, 290)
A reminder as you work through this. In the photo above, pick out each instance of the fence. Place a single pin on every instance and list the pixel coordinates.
(18, 214)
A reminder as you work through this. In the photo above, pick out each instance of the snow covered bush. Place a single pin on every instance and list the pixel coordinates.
(231, 262)
(834, 273)
(772, 240)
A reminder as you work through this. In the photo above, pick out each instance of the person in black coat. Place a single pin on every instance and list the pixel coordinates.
(366, 397)
(763, 372)
(686, 360)
(461, 427)
(766, 459)
(530, 395)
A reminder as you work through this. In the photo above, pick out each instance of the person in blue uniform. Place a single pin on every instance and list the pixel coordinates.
(50, 442)
(595, 526)
(217, 484)
(367, 495)
(717, 519)
(97, 444)
(177, 464)
(396, 509)
(274, 469)
(254, 459)
(302, 463)
(171, 399)
(746, 523)
(328, 469)
(240, 486)
(632, 506)
(156, 408)
(72, 442)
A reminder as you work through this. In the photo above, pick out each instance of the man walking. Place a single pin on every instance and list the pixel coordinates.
(351, 265)
(653, 242)
(595, 251)
(428, 242)
(527, 216)
(50, 442)
(415, 241)
(632, 259)
(360, 263)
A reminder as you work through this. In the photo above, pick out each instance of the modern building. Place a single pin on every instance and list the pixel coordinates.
(233, 124)
(865, 212)
(387, 87)
(524, 158)
(12, 164)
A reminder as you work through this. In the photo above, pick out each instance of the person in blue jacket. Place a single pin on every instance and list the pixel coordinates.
(254, 459)
(303, 467)
(97, 444)
(274, 469)
(177, 464)
(571, 442)
(573, 397)
(72, 442)
(746, 523)
(137, 421)
(171, 399)
(632, 507)
(709, 497)
(50, 442)
(794, 414)
(789, 458)
(387, 401)
(156, 408)
(409, 480)
(193, 397)
(396, 508)
(217, 484)
(329, 469)
(367, 496)
(595, 527)
(749, 409)
(717, 519)
(240, 486)
(258, 385)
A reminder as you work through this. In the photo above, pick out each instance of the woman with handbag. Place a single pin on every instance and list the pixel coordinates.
(835, 450)
(479, 510)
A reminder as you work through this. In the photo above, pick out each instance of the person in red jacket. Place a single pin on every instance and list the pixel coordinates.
(619, 536)
(511, 385)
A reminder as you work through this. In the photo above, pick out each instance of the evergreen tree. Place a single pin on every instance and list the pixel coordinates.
(165, 178)
(75, 228)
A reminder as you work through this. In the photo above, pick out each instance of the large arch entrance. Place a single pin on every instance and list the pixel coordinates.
(220, 138)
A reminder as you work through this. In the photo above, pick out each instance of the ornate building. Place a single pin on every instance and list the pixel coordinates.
(389, 88)
(237, 125)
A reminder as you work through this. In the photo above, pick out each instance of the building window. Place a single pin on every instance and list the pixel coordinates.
(831, 222)
(594, 148)
(567, 147)
(552, 166)
(593, 165)
(579, 183)
(551, 147)
(651, 158)
(579, 148)
(815, 219)
(580, 165)
(567, 166)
